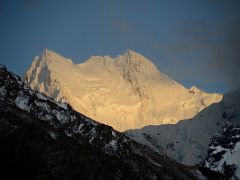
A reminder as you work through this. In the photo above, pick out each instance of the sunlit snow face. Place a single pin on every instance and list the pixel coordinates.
(126, 92)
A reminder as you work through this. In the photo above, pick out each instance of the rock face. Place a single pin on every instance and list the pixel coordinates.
(224, 152)
(126, 92)
(187, 141)
(44, 139)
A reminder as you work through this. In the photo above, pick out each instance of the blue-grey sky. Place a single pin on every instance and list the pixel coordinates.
(196, 42)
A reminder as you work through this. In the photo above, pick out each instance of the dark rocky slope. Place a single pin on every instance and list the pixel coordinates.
(223, 159)
(43, 139)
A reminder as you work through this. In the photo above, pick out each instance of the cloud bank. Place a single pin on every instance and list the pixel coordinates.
(217, 48)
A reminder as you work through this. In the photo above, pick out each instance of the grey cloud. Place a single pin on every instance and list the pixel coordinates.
(217, 49)
(223, 54)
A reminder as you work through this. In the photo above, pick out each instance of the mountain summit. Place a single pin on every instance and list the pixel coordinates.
(126, 92)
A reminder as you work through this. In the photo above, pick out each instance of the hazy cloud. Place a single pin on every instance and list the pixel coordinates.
(225, 59)
(213, 52)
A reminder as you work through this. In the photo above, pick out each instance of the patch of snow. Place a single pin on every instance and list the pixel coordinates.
(62, 105)
(2, 91)
(22, 102)
(231, 156)
(48, 117)
(61, 116)
(218, 149)
(69, 134)
(78, 129)
(237, 136)
(41, 96)
(43, 105)
(113, 144)
(111, 147)
(93, 134)
(207, 164)
(114, 134)
(53, 135)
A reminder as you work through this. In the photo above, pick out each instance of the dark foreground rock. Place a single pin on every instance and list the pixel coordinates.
(44, 139)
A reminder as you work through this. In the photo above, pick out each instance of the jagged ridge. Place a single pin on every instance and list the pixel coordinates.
(126, 92)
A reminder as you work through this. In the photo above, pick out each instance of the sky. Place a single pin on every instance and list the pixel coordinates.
(195, 42)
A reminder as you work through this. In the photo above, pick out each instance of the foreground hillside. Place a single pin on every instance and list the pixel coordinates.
(43, 139)
(126, 92)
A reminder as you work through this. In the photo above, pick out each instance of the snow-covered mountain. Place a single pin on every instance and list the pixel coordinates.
(224, 152)
(44, 139)
(126, 92)
(188, 140)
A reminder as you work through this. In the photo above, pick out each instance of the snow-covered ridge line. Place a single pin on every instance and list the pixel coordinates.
(187, 141)
(125, 92)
